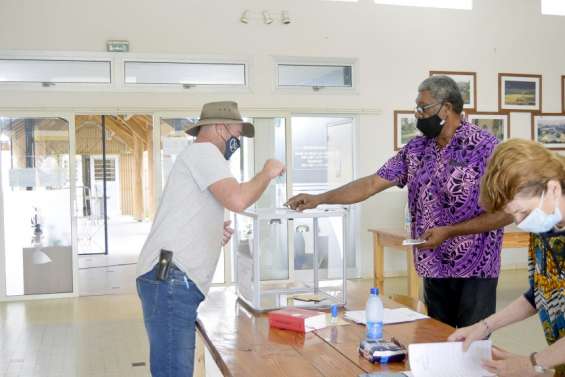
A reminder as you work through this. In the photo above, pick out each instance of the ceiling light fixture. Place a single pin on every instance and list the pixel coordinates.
(243, 18)
(267, 19)
(285, 19)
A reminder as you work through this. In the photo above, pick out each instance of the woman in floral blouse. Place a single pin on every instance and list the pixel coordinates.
(528, 181)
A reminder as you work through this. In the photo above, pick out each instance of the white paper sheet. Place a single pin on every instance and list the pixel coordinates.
(448, 359)
(391, 316)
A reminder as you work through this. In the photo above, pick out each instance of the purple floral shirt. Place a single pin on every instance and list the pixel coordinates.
(443, 189)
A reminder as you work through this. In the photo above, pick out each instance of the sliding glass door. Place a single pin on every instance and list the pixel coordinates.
(114, 183)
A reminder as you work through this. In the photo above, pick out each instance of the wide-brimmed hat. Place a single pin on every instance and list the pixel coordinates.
(225, 112)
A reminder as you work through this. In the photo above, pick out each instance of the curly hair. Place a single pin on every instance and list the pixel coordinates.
(519, 166)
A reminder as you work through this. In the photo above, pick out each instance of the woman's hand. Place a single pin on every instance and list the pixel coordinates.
(506, 364)
(469, 334)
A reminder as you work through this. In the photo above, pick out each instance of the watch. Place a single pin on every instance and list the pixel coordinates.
(538, 368)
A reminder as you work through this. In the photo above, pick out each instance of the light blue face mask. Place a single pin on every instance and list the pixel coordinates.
(540, 222)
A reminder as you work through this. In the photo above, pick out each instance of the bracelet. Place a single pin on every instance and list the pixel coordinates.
(484, 321)
(539, 369)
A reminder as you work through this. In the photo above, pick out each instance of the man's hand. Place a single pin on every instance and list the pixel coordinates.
(301, 202)
(227, 233)
(469, 334)
(505, 364)
(274, 168)
(434, 237)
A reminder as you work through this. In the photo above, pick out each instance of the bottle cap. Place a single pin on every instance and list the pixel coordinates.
(334, 310)
(375, 291)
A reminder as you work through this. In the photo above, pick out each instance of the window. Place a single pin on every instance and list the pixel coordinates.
(450, 4)
(315, 76)
(185, 74)
(553, 7)
(36, 237)
(99, 169)
(49, 72)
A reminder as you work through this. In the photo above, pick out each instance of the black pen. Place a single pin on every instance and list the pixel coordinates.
(395, 341)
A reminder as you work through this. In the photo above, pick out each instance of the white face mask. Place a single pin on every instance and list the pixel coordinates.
(540, 222)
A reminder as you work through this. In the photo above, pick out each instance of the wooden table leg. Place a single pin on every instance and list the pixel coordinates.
(413, 278)
(378, 260)
(199, 357)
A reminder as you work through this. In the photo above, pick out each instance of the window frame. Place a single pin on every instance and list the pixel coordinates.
(431, 6)
(550, 6)
(117, 72)
(59, 56)
(122, 59)
(311, 61)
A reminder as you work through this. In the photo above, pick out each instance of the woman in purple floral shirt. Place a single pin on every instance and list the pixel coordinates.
(460, 260)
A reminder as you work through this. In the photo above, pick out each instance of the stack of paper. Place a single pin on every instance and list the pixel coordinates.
(391, 316)
(449, 360)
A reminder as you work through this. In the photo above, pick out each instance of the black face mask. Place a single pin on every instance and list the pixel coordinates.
(431, 126)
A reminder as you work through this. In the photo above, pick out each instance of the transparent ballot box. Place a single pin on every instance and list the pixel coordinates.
(289, 258)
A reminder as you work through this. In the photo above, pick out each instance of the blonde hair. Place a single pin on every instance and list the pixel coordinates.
(519, 166)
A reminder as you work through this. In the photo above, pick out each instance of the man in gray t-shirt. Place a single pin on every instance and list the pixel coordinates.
(190, 223)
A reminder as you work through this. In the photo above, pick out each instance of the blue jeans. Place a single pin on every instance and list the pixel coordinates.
(169, 312)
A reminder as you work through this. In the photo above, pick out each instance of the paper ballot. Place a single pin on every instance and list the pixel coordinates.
(449, 360)
(390, 316)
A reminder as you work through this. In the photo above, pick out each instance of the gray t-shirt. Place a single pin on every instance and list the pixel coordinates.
(189, 220)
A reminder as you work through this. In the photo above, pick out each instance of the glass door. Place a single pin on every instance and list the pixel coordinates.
(36, 205)
(114, 183)
(322, 148)
(269, 142)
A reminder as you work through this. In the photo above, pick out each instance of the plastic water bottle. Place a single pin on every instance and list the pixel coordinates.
(333, 318)
(374, 314)
(407, 221)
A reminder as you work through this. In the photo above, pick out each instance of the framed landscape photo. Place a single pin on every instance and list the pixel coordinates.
(549, 130)
(563, 94)
(404, 128)
(497, 124)
(519, 92)
(467, 83)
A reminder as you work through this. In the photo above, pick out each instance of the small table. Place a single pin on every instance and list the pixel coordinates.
(393, 237)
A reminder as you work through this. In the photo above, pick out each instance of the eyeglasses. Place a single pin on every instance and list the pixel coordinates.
(229, 132)
(422, 109)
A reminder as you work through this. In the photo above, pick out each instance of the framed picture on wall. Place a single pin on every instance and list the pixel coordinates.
(497, 124)
(404, 128)
(467, 83)
(563, 94)
(519, 92)
(549, 129)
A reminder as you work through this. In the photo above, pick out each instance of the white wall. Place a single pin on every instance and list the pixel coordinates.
(396, 47)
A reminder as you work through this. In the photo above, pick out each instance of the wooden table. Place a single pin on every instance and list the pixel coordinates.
(393, 237)
(242, 344)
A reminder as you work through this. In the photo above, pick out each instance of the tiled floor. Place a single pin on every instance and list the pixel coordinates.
(101, 336)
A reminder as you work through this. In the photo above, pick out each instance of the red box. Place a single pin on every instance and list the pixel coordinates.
(296, 319)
